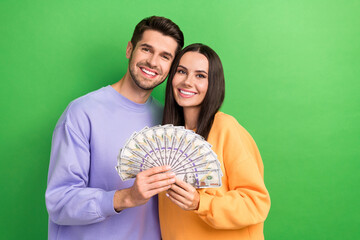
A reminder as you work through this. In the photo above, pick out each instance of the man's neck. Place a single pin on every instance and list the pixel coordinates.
(127, 87)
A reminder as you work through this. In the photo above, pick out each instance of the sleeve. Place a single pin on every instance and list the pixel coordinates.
(68, 199)
(246, 200)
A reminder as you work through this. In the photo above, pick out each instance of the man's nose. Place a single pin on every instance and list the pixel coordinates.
(152, 61)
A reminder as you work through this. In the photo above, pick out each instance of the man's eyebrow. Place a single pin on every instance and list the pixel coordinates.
(149, 46)
(146, 45)
(169, 54)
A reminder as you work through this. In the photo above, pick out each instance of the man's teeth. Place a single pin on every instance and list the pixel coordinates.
(187, 93)
(148, 72)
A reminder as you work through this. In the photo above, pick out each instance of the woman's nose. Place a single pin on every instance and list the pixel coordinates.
(188, 80)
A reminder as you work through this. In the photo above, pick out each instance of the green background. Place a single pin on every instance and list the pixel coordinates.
(292, 71)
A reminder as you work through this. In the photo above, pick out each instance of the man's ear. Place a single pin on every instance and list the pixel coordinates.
(129, 50)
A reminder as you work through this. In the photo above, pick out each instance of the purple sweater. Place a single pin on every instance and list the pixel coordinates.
(82, 178)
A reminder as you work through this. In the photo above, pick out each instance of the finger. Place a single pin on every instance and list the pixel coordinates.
(160, 177)
(189, 192)
(189, 202)
(184, 185)
(179, 190)
(155, 170)
(153, 192)
(161, 184)
(180, 198)
(174, 200)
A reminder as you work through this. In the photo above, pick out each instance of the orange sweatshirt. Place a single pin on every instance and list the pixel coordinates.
(236, 210)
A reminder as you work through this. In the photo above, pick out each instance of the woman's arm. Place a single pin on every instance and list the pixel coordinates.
(243, 199)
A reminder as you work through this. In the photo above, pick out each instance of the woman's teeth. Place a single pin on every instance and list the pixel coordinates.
(187, 93)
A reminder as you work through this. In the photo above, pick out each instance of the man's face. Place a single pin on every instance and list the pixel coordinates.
(150, 60)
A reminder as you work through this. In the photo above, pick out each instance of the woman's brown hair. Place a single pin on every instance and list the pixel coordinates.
(173, 113)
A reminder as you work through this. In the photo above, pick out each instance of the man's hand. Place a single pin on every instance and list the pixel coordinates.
(147, 184)
(184, 195)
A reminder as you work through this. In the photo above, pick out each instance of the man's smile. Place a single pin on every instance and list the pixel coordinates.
(149, 72)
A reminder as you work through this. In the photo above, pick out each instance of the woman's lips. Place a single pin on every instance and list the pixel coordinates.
(186, 93)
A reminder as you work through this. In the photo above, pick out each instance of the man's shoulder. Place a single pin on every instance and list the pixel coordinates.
(81, 105)
(156, 104)
(86, 100)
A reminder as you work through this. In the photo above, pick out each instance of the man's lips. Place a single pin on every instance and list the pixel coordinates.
(186, 93)
(149, 72)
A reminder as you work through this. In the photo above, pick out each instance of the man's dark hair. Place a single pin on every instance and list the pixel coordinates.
(160, 24)
(214, 97)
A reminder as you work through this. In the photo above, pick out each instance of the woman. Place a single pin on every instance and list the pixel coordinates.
(236, 210)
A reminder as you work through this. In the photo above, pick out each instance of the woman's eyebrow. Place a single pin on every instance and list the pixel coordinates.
(182, 66)
(201, 71)
(198, 71)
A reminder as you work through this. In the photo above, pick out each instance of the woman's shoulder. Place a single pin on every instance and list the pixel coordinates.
(226, 123)
(226, 127)
(224, 119)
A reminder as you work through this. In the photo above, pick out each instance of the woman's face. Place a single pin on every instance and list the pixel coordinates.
(190, 82)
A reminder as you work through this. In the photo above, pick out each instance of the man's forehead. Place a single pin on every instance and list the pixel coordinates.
(159, 41)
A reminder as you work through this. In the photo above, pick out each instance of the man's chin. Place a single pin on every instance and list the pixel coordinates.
(147, 87)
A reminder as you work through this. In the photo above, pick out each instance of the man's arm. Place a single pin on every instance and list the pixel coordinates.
(70, 201)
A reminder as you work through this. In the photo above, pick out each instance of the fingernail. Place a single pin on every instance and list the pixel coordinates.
(167, 194)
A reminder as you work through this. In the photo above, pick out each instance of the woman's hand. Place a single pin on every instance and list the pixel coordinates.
(184, 195)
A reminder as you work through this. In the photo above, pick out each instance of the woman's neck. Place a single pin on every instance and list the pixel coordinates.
(191, 116)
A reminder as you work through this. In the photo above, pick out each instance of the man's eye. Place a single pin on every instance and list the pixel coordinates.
(166, 57)
(146, 49)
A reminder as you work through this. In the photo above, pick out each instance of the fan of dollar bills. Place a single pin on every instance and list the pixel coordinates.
(189, 155)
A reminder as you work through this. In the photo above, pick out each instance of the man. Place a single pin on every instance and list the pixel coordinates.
(85, 197)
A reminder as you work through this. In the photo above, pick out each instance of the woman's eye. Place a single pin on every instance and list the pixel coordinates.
(181, 71)
(200, 76)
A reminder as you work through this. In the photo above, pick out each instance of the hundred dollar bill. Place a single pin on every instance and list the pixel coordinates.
(133, 161)
(179, 141)
(210, 165)
(200, 154)
(186, 152)
(151, 141)
(149, 151)
(201, 179)
(126, 175)
(159, 136)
